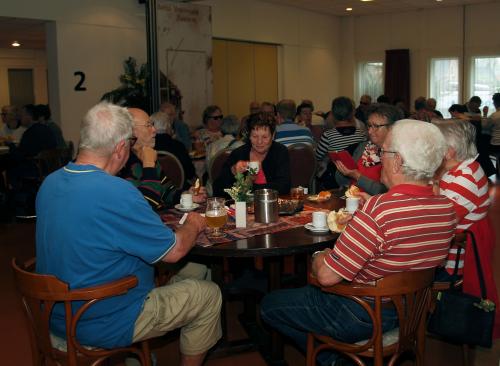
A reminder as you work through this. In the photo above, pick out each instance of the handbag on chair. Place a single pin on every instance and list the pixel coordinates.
(463, 318)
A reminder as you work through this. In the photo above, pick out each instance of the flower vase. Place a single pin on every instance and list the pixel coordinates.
(241, 214)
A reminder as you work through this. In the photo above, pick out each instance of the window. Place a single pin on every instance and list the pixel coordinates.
(444, 83)
(371, 79)
(485, 79)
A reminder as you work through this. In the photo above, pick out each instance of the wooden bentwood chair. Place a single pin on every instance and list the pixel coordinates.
(410, 294)
(172, 167)
(39, 295)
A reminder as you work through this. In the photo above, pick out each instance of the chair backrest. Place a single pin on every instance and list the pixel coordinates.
(302, 164)
(172, 168)
(39, 295)
(410, 294)
(49, 161)
(216, 164)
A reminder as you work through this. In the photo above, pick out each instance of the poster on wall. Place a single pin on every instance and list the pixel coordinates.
(184, 44)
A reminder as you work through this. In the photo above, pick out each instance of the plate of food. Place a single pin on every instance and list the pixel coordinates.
(333, 219)
(320, 197)
(289, 207)
(353, 191)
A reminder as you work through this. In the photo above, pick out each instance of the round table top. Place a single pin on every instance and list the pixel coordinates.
(293, 241)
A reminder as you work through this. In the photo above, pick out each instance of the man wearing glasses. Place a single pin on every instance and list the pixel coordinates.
(94, 228)
(406, 229)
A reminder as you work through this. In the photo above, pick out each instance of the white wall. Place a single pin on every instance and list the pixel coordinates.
(24, 59)
(92, 36)
(309, 57)
(427, 33)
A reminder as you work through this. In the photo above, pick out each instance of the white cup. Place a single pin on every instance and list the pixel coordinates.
(319, 219)
(186, 200)
(351, 204)
(254, 165)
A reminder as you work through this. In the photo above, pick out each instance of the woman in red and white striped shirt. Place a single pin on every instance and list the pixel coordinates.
(463, 181)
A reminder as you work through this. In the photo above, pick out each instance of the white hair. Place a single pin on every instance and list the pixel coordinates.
(104, 126)
(421, 146)
(460, 135)
(162, 122)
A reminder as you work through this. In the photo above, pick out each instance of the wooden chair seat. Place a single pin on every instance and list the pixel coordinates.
(39, 295)
(409, 292)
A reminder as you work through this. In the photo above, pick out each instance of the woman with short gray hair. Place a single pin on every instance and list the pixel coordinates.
(464, 182)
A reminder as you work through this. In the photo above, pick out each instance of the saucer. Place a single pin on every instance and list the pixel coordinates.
(310, 227)
(187, 209)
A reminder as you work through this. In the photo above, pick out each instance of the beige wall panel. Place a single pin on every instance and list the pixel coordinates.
(266, 73)
(241, 87)
(219, 68)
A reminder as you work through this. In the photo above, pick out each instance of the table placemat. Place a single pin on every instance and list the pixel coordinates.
(172, 216)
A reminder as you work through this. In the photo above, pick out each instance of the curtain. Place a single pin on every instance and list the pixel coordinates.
(397, 75)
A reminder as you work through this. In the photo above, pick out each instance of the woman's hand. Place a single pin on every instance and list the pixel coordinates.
(351, 173)
(240, 167)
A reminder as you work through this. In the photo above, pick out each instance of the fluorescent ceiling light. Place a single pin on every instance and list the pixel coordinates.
(16, 44)
(348, 9)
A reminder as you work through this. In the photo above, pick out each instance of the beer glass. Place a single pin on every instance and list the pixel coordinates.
(216, 216)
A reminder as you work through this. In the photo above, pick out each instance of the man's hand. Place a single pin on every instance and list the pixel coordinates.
(198, 222)
(201, 196)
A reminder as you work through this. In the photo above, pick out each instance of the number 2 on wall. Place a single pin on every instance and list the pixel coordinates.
(79, 86)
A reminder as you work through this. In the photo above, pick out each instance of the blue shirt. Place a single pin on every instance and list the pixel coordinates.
(289, 133)
(93, 228)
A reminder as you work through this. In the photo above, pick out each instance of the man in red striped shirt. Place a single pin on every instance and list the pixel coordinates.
(408, 228)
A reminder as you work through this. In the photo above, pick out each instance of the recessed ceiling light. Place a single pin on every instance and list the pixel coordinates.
(348, 9)
(16, 44)
(365, 1)
(439, 1)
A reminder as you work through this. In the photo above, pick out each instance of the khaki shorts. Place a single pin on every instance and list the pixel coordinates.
(192, 305)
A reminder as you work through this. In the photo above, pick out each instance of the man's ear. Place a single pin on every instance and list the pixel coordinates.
(450, 154)
(397, 164)
(121, 149)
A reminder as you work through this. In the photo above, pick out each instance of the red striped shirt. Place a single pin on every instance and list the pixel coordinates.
(466, 186)
(407, 228)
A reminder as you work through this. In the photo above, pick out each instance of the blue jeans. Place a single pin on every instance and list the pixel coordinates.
(295, 312)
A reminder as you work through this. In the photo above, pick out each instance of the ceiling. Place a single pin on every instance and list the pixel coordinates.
(338, 7)
(31, 33)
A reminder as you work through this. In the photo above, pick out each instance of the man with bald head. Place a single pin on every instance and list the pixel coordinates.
(143, 169)
(93, 228)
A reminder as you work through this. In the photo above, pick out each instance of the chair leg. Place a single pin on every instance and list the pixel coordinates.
(146, 353)
(310, 351)
(465, 354)
(420, 351)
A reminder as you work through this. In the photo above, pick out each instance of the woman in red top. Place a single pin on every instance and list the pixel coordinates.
(367, 155)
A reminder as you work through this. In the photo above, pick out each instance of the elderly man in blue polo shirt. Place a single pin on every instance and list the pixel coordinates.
(93, 228)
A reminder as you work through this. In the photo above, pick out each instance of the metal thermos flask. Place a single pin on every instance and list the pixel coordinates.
(266, 205)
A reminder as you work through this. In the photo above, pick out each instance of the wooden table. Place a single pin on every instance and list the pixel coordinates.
(272, 247)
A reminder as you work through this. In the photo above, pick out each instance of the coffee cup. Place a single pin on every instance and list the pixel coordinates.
(254, 165)
(319, 219)
(186, 200)
(352, 204)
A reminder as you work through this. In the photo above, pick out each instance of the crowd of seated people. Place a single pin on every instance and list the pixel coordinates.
(401, 165)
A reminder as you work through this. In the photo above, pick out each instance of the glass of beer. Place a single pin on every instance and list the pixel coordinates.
(216, 216)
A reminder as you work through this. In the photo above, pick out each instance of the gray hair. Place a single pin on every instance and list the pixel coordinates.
(104, 126)
(460, 135)
(162, 122)
(421, 146)
(230, 125)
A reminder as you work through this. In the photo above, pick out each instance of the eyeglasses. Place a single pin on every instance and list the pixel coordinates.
(375, 126)
(382, 152)
(220, 116)
(132, 140)
(148, 124)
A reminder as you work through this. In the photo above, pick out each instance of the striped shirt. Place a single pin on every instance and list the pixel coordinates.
(466, 186)
(407, 228)
(333, 140)
(289, 133)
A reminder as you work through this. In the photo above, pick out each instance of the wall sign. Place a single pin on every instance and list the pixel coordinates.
(79, 85)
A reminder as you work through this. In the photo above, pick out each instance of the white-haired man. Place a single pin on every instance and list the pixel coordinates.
(93, 228)
(408, 228)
